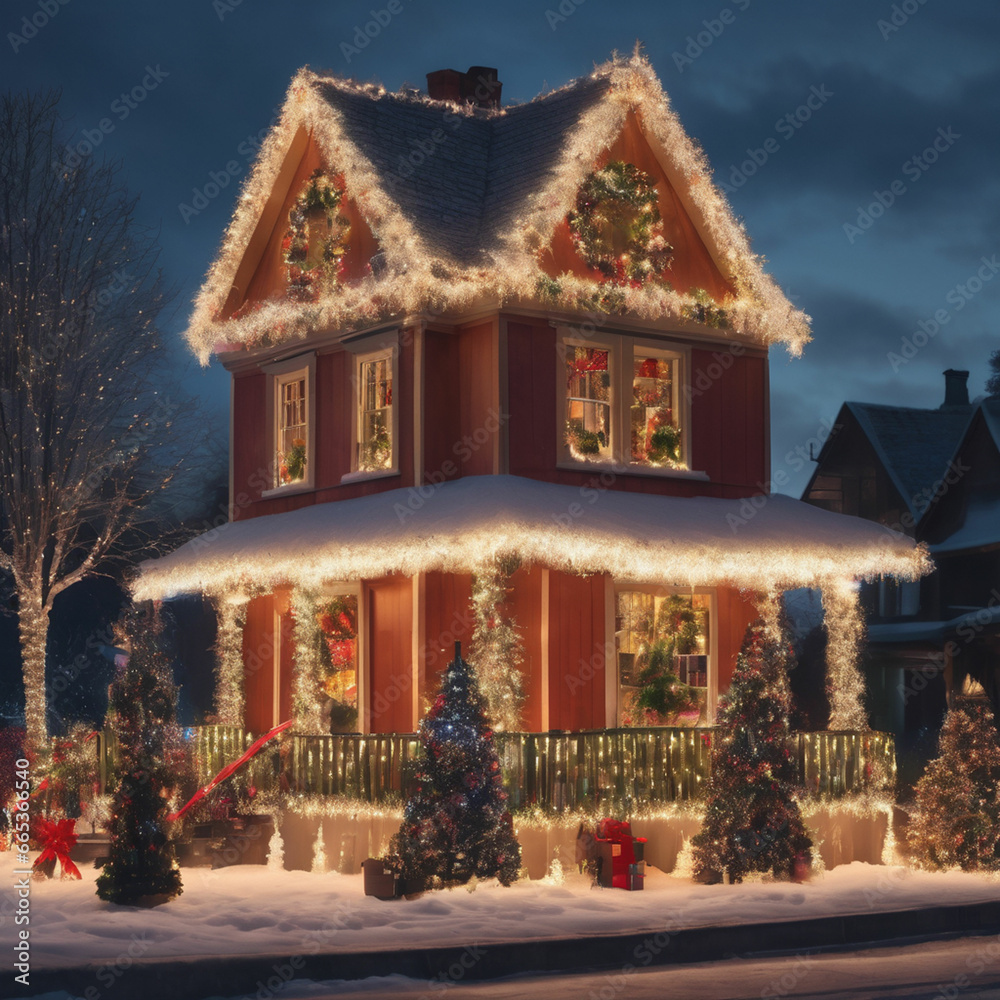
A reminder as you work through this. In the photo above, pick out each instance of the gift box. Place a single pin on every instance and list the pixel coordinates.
(380, 881)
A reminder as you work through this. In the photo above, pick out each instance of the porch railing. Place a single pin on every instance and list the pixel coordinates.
(603, 770)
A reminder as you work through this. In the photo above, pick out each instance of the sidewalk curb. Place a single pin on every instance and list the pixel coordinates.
(245, 975)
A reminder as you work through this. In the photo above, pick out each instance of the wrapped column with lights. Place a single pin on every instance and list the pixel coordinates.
(229, 687)
(845, 631)
(306, 667)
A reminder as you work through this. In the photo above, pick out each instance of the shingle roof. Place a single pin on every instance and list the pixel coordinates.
(462, 200)
(915, 445)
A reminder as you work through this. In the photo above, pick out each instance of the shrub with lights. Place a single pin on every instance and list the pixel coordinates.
(456, 826)
(141, 870)
(752, 817)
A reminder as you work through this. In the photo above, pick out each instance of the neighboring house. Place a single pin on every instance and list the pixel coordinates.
(527, 344)
(935, 475)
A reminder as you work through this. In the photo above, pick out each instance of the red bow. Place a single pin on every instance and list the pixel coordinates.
(57, 838)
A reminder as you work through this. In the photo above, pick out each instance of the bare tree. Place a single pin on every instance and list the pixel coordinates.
(84, 405)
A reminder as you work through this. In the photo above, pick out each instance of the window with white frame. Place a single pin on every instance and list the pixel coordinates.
(663, 649)
(292, 406)
(622, 403)
(375, 439)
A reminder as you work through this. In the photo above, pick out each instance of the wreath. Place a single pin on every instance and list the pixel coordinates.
(314, 245)
(616, 225)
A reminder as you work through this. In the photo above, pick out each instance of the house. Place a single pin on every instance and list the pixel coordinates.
(519, 351)
(933, 474)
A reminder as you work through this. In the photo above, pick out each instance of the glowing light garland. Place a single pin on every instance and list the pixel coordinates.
(495, 653)
(229, 687)
(845, 683)
(307, 668)
(416, 279)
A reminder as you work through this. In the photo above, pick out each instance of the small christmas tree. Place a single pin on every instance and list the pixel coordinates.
(752, 819)
(141, 869)
(455, 826)
(957, 817)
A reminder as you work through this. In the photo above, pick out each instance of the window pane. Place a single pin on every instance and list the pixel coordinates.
(375, 418)
(656, 438)
(588, 404)
(663, 652)
(337, 636)
(292, 431)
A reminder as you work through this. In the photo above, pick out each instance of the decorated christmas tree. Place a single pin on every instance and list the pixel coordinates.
(957, 816)
(752, 818)
(456, 826)
(141, 869)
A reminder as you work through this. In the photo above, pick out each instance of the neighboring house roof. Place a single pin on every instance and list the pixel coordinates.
(692, 541)
(469, 224)
(915, 446)
(921, 631)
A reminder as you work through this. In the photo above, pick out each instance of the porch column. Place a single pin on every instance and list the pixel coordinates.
(231, 617)
(305, 665)
(845, 631)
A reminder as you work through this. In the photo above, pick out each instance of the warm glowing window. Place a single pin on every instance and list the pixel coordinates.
(337, 638)
(292, 428)
(655, 433)
(664, 656)
(375, 415)
(588, 404)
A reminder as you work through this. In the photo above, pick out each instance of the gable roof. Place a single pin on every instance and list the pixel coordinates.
(463, 199)
(914, 445)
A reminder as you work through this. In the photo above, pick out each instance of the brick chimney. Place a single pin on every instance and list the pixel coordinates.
(478, 86)
(956, 389)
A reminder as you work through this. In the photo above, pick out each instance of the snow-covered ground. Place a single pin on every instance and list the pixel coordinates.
(253, 910)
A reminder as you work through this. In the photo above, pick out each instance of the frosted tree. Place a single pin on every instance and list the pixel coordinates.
(83, 392)
(957, 815)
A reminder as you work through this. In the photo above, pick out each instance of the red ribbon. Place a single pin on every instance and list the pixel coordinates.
(229, 769)
(57, 839)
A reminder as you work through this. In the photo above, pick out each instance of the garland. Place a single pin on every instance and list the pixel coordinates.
(617, 228)
(314, 259)
(229, 669)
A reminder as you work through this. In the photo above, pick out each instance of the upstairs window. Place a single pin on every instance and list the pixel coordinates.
(622, 404)
(588, 404)
(292, 408)
(375, 426)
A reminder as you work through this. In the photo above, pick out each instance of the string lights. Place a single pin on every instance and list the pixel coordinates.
(416, 278)
(229, 670)
(845, 629)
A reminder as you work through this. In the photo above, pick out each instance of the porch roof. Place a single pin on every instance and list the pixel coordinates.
(756, 543)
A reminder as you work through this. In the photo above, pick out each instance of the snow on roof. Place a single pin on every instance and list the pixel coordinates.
(468, 225)
(921, 631)
(756, 543)
(980, 528)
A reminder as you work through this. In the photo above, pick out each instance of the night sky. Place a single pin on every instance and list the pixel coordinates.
(841, 98)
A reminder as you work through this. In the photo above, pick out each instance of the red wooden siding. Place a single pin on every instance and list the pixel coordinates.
(447, 619)
(736, 609)
(576, 651)
(525, 606)
(442, 440)
(476, 442)
(390, 655)
(250, 461)
(258, 664)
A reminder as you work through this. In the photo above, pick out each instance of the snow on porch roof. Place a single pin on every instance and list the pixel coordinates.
(755, 543)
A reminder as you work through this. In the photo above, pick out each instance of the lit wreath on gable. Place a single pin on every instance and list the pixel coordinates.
(317, 238)
(617, 228)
